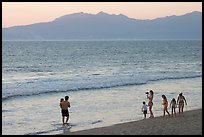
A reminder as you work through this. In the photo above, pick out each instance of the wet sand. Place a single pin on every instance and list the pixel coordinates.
(188, 123)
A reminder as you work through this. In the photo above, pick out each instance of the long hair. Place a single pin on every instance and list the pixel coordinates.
(163, 96)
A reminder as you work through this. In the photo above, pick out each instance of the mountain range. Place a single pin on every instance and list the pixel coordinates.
(109, 26)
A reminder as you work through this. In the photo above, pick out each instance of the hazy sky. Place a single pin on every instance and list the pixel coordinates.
(23, 13)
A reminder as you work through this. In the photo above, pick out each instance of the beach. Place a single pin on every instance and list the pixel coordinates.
(106, 82)
(188, 123)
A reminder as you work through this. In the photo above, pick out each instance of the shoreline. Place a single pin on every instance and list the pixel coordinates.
(188, 123)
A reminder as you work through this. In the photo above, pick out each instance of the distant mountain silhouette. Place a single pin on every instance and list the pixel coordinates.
(109, 26)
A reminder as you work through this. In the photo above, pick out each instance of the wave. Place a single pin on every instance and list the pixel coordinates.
(53, 87)
(59, 127)
(45, 132)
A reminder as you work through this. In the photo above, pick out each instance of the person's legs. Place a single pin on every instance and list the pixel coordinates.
(182, 108)
(62, 116)
(167, 112)
(150, 110)
(172, 109)
(145, 113)
(163, 111)
(175, 111)
(63, 119)
(179, 108)
(67, 118)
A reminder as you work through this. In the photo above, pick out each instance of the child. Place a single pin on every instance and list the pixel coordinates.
(165, 105)
(173, 106)
(144, 109)
(61, 100)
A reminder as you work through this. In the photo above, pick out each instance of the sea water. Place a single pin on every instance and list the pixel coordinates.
(106, 81)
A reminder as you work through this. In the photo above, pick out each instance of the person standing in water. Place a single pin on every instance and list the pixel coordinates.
(64, 109)
(150, 103)
(180, 102)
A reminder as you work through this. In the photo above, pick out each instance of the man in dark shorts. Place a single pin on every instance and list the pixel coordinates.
(64, 109)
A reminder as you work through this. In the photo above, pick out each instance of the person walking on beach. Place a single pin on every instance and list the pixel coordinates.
(64, 109)
(165, 105)
(173, 106)
(180, 102)
(144, 109)
(150, 103)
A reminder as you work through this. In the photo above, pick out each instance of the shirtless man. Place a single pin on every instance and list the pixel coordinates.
(64, 109)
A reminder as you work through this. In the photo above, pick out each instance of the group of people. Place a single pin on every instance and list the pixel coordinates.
(173, 104)
(64, 105)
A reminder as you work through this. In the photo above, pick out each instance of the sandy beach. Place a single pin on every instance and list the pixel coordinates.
(188, 123)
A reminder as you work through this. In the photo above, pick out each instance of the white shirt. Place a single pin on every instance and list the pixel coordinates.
(144, 107)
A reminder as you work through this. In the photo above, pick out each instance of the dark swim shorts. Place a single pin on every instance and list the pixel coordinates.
(65, 112)
(145, 112)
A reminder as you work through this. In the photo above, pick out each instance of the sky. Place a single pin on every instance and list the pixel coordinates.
(24, 13)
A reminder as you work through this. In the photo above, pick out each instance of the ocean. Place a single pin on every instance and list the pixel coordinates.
(106, 81)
